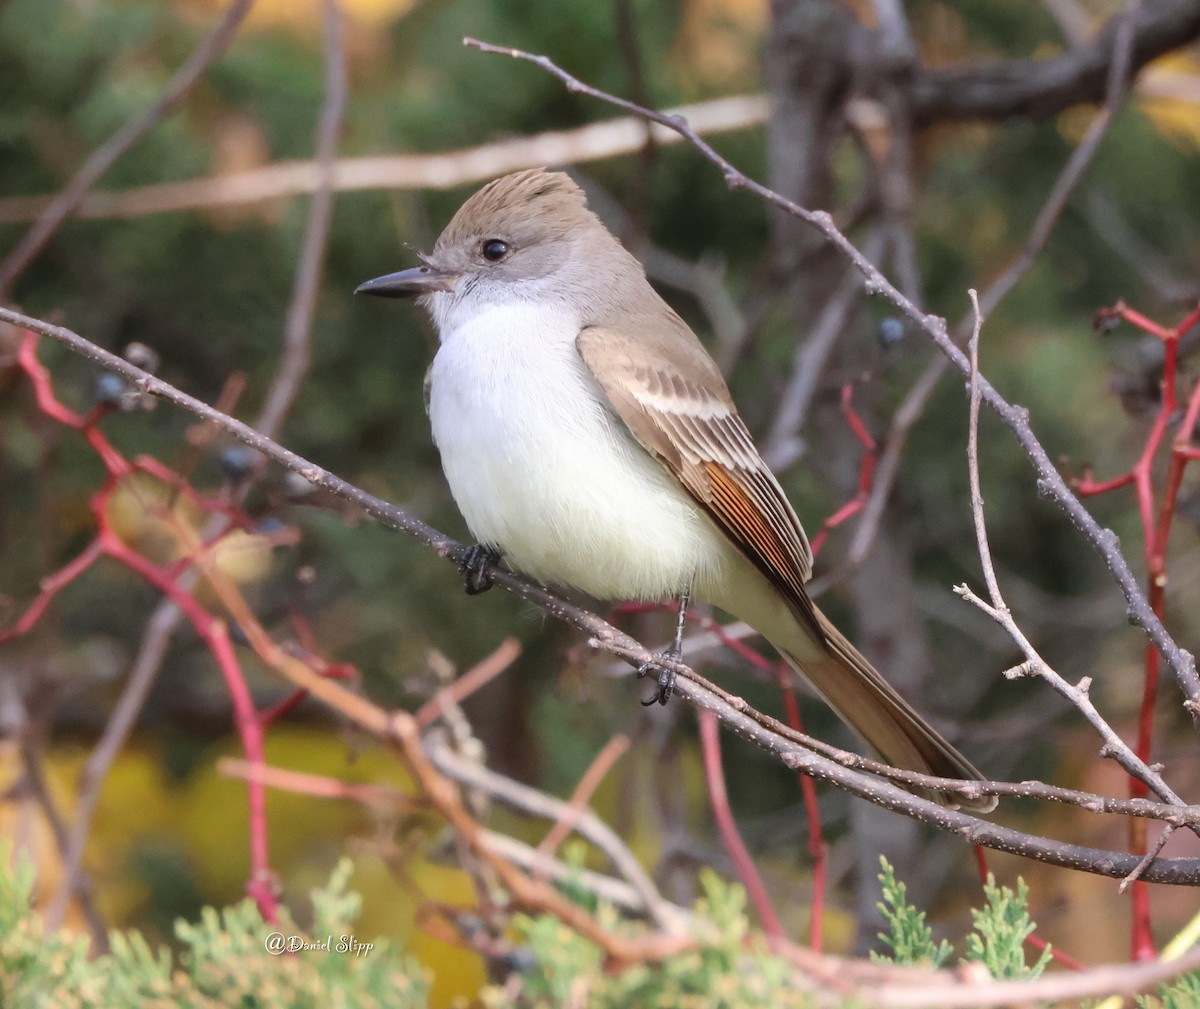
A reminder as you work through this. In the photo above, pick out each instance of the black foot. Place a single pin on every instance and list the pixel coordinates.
(477, 567)
(666, 677)
(673, 653)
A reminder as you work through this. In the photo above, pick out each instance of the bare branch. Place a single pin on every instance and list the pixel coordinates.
(107, 154)
(1151, 854)
(1034, 665)
(776, 738)
(1072, 20)
(526, 799)
(1117, 79)
(981, 536)
(1139, 256)
(298, 328)
(783, 445)
(36, 782)
(914, 403)
(445, 170)
(1119, 979)
(586, 787)
(1039, 88)
(147, 662)
(609, 888)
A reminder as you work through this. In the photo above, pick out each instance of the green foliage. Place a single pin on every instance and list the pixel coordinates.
(910, 939)
(1184, 993)
(224, 961)
(1001, 929)
(728, 971)
(735, 968)
(574, 853)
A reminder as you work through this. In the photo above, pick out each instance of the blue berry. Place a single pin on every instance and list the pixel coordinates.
(891, 331)
(109, 388)
(236, 462)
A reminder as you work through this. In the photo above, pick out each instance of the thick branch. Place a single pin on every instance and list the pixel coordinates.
(1040, 88)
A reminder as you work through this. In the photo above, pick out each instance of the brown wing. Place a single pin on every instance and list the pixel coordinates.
(669, 393)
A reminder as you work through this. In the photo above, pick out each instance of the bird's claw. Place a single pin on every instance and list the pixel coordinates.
(666, 676)
(476, 567)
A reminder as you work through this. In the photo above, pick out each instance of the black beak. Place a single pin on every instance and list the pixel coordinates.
(408, 283)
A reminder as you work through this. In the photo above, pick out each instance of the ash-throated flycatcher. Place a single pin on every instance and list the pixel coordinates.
(589, 438)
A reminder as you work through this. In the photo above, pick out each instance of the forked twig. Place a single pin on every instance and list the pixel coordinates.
(1050, 482)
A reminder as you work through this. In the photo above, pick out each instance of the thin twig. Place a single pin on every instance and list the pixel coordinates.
(913, 406)
(1072, 20)
(1077, 164)
(527, 799)
(381, 797)
(481, 673)
(589, 781)
(297, 332)
(620, 948)
(1078, 694)
(617, 891)
(151, 653)
(36, 781)
(981, 536)
(1151, 854)
(107, 154)
(783, 445)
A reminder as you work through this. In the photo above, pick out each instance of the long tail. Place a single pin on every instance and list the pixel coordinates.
(866, 702)
(840, 673)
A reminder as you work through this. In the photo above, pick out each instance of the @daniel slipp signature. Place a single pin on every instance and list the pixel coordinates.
(277, 943)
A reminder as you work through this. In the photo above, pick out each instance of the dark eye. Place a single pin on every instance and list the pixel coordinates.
(494, 250)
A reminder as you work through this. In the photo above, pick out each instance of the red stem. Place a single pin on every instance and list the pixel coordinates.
(866, 472)
(744, 865)
(49, 404)
(211, 630)
(735, 645)
(854, 420)
(215, 635)
(51, 585)
(818, 850)
(1156, 531)
(1087, 487)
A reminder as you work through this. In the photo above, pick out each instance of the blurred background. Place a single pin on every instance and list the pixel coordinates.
(207, 289)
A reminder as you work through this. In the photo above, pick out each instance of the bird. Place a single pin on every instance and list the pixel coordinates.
(590, 441)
